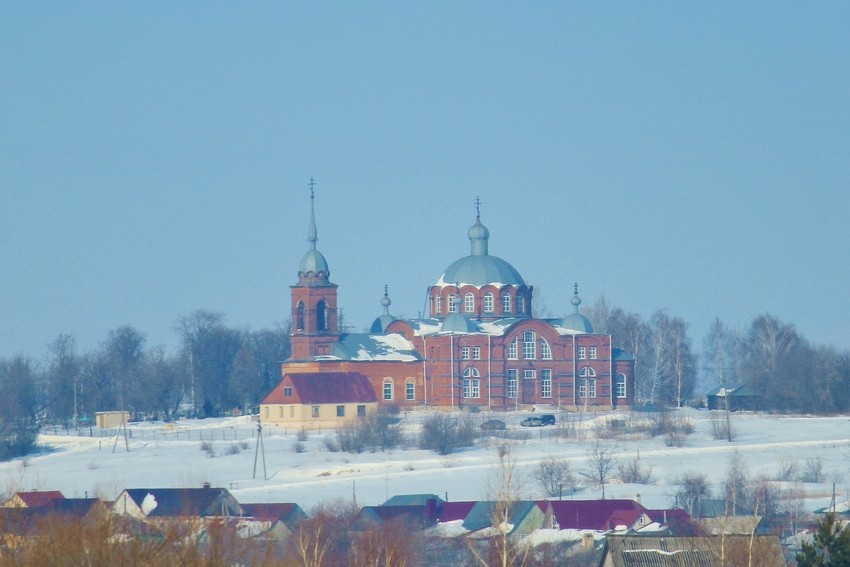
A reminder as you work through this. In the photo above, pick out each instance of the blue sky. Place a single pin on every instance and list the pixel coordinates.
(154, 158)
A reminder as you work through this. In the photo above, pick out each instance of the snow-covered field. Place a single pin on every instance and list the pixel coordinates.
(171, 455)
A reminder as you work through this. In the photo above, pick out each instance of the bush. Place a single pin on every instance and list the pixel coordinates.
(17, 438)
(373, 432)
(445, 433)
(721, 426)
(633, 473)
(554, 476)
(208, 448)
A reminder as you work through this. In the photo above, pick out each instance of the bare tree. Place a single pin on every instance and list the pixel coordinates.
(693, 489)
(553, 475)
(600, 464)
(736, 488)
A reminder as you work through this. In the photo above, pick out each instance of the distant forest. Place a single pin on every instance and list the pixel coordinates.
(225, 370)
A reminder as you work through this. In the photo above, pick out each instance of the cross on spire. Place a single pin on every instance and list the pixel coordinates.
(312, 184)
(477, 207)
(575, 288)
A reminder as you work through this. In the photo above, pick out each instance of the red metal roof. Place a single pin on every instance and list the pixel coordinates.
(38, 498)
(451, 511)
(324, 388)
(589, 514)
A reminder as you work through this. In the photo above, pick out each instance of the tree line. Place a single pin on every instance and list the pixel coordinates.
(218, 369)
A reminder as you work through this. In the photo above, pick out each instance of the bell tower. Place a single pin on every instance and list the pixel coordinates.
(313, 300)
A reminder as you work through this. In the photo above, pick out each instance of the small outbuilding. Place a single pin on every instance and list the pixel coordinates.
(740, 398)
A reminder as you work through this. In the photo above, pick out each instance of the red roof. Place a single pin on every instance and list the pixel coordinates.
(324, 388)
(39, 498)
(451, 511)
(590, 514)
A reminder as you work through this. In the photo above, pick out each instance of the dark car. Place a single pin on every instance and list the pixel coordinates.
(493, 425)
(538, 420)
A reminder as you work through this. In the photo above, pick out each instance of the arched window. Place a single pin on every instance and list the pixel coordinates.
(545, 351)
(469, 302)
(299, 314)
(529, 345)
(512, 349)
(587, 371)
(587, 383)
(488, 302)
(452, 303)
(388, 389)
(506, 304)
(471, 383)
(322, 315)
(621, 385)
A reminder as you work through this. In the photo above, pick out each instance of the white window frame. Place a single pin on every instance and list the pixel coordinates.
(529, 345)
(409, 390)
(506, 303)
(529, 374)
(438, 305)
(512, 349)
(387, 390)
(476, 353)
(488, 302)
(520, 304)
(581, 353)
(591, 353)
(464, 353)
(621, 386)
(512, 385)
(469, 302)
(452, 303)
(546, 383)
(545, 349)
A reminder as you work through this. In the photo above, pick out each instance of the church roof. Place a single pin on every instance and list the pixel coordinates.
(362, 346)
(479, 268)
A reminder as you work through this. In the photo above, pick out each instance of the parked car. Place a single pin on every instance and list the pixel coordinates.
(531, 422)
(538, 420)
(493, 425)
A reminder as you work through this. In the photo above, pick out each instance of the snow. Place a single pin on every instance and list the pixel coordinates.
(170, 455)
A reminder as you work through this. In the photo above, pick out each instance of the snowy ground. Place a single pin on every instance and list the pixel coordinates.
(171, 455)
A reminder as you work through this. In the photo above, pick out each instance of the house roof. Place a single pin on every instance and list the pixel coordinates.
(76, 507)
(415, 515)
(589, 514)
(36, 498)
(481, 514)
(653, 551)
(205, 501)
(324, 388)
(743, 390)
(273, 511)
(664, 517)
(362, 346)
(412, 500)
(451, 511)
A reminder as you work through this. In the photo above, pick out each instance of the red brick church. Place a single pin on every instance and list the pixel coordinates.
(480, 345)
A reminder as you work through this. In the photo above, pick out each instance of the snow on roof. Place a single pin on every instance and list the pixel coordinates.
(449, 529)
(361, 346)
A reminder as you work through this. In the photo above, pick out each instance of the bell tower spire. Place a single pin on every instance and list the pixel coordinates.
(313, 299)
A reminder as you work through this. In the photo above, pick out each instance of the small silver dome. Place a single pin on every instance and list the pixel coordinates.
(577, 322)
(458, 323)
(313, 261)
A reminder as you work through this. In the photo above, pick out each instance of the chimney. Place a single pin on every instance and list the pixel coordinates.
(206, 485)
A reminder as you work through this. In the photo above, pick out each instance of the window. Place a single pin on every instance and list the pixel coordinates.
(471, 383)
(340, 411)
(452, 300)
(581, 353)
(512, 385)
(488, 302)
(621, 385)
(409, 390)
(469, 302)
(267, 411)
(314, 411)
(287, 392)
(512, 349)
(464, 353)
(546, 383)
(528, 374)
(388, 389)
(438, 305)
(529, 344)
(545, 351)
(322, 315)
(591, 384)
(291, 411)
(299, 314)
(476, 353)
(281, 411)
(506, 304)
(587, 371)
(361, 411)
(520, 304)
(591, 352)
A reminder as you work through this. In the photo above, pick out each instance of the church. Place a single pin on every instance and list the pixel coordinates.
(480, 348)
